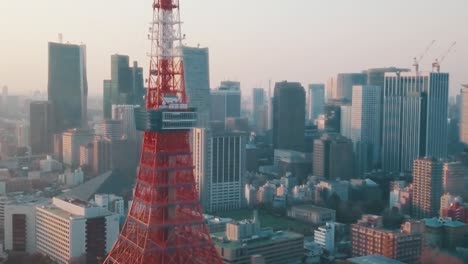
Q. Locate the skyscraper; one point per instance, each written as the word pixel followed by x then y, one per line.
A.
pixel 346 115
pixel 365 126
pixel 42 124
pixel 345 83
pixel 219 160
pixel 414 118
pixel 427 187
pixel 464 115
pixel 125 86
pixel 288 116
pixel 260 110
pixel 315 100
pixel 197 81
pixel 125 113
pixel 333 157
pixel 68 85
pixel 226 101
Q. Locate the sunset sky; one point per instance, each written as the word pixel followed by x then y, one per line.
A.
pixel 250 40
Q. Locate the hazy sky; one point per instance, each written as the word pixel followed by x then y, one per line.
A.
pixel 250 40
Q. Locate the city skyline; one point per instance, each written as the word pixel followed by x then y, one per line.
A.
pixel 316 36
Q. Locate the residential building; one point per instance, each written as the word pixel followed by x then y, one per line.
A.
pixel 219 168
pixel 369 238
pixel 401 197
pixel 42 124
pixel 197 81
pixel 457 211
pixel 312 214
pixel 365 127
pixel 68 85
pixel 333 157
pixel 325 236
pixel 454 178
pixel 288 116
pixel 445 233
pixel 226 101
pixel 72 140
pixel 315 100
pixel 427 187
pixel 69 228
pixel 415 107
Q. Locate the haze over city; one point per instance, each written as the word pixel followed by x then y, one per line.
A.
pixel 251 41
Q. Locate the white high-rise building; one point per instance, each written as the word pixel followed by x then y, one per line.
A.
pixel 125 113
pixel 68 229
pixel 325 236
pixel 219 169
pixel 365 126
pixel 415 107
pixel 464 115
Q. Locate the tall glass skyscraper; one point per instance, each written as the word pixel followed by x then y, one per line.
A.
pixel 414 118
pixel 315 101
pixel 197 81
pixel 226 101
pixel 464 115
pixel 68 85
pixel 345 83
pixel 260 110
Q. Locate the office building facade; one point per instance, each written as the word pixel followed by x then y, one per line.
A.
pixel 315 101
pixel 415 125
pixel 260 110
pixel 68 85
pixel 226 101
pixel 333 157
pixel 72 140
pixel 197 81
pixel 42 124
pixel 288 116
pixel 345 83
pixel 464 114
pixel 365 127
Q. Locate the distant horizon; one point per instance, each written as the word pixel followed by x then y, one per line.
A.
pixel 248 45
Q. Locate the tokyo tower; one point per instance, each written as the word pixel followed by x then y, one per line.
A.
pixel 165 222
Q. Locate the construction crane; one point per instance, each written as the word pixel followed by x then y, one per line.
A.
pixel 436 64
pixel 418 60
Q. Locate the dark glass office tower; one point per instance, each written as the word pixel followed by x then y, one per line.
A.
pixel 68 85
pixel 289 116
pixel 126 86
pixel 42 124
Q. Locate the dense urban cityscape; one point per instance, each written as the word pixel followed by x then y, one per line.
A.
pixel 369 166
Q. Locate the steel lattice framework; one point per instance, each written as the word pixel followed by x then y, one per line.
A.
pixel 165 222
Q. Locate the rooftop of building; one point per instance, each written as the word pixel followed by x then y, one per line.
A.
pixel 28 200
pixel 60 212
pixel 442 222
pixel 313 208
pixel 373 259
pixel 268 237
pixel 87 190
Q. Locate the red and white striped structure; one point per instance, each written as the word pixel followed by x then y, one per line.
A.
pixel 165 222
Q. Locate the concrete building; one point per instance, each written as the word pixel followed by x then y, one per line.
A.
pixel 50 165
pixel 217 224
pixel 219 169
pixel 401 197
pixel 325 236
pixel 345 120
pixel 125 113
pixel 315 100
pixel 456 211
pixel 464 114
pixel 42 124
pixel 110 202
pixel 126 86
pixel 333 157
pixel 312 214
pixel 71 178
pixel 444 233
pixel 20 223
pixel 290 161
pixel 245 239
pixel 289 116
pixel 405 245
pixel 427 187
pixel 226 101
pixel 260 110
pixel 86 154
pixel 101 156
pixel 365 127
pixel 22 135
pixel 68 229
pixel 415 112
pixel 197 81
pixel 72 140
pixel 454 177
pixel 68 85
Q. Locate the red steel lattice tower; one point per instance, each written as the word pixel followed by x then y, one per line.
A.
pixel 165 222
